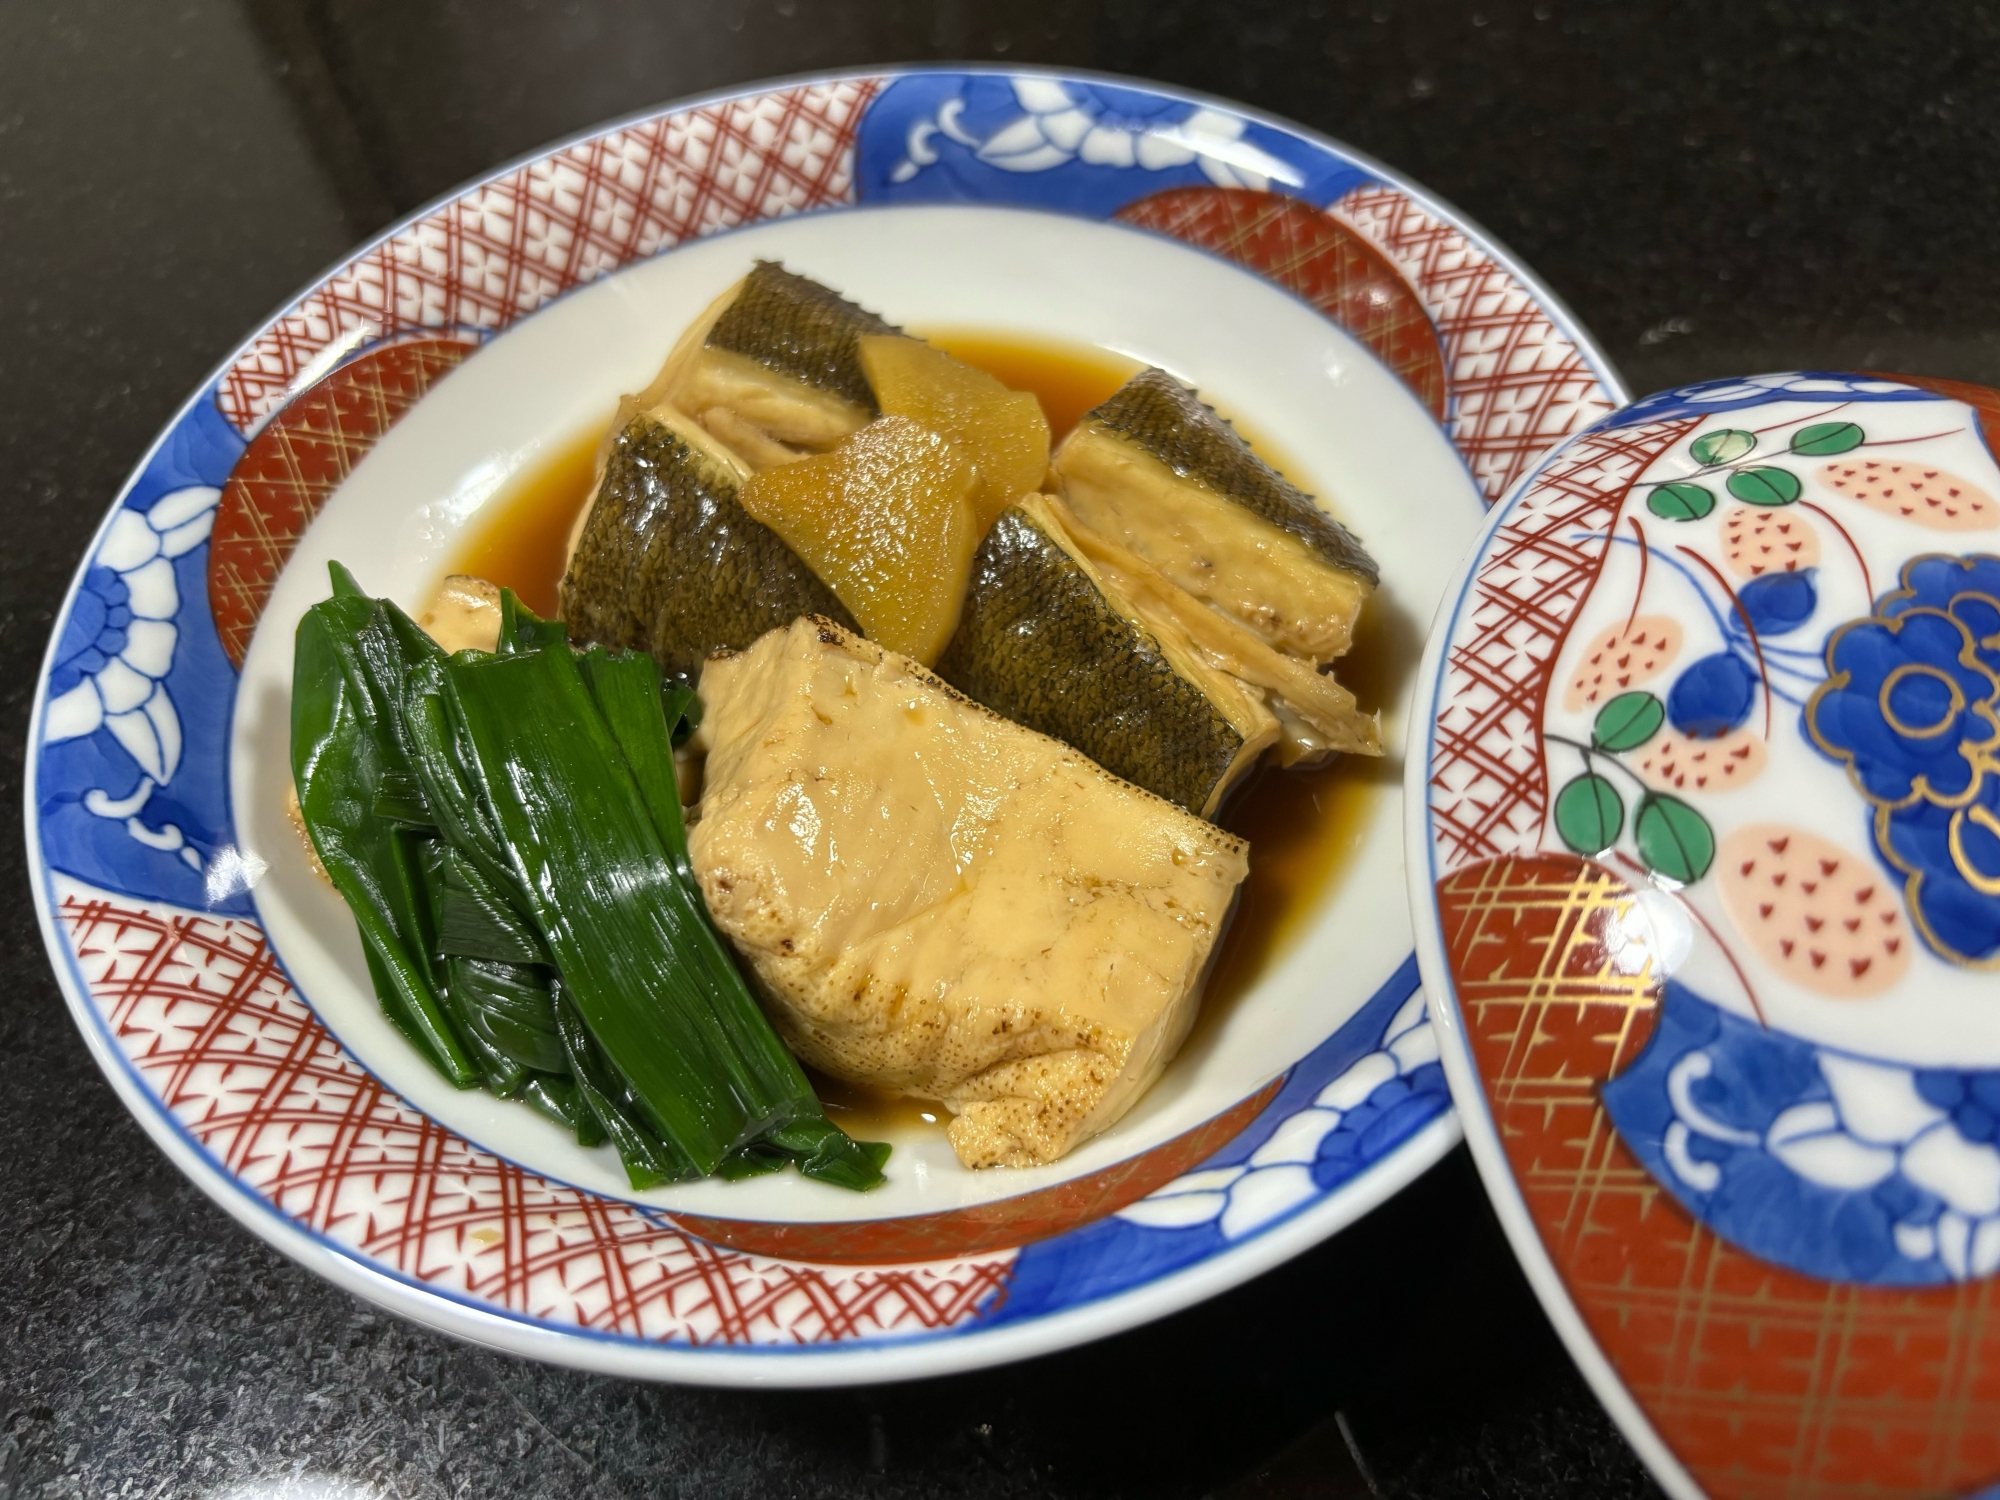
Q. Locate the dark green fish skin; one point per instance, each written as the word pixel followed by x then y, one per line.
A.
pixel 1039 644
pixel 801 329
pixel 1160 416
pixel 670 563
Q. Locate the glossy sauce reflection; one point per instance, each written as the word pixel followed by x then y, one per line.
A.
pixel 1304 827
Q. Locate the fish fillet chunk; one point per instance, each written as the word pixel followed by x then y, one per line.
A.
pixel 937 901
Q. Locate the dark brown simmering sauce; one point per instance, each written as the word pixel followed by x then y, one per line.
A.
pixel 520 541
pixel 1304 827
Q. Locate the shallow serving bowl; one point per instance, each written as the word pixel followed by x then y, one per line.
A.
pixel 376 419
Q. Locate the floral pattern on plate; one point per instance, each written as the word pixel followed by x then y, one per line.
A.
pixel 1713 910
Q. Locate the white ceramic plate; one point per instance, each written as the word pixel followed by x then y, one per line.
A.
pixel 222 987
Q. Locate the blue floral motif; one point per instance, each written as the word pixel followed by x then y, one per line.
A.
pixel 1712 696
pixel 1971 1099
pixel 1842 1167
pixel 1357 1097
pixel 1713 397
pixel 1779 602
pixel 1087 148
pixel 1965 588
pixel 136 718
pixel 1911 706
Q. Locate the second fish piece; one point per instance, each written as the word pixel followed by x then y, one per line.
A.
pixel 1046 639
pixel 773 367
pixel 1156 470
pixel 666 560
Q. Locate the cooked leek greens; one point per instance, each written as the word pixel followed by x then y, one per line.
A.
pixel 506 828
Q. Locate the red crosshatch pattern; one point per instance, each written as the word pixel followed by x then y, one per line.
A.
pixel 298 459
pixel 1766 1384
pixel 1489 790
pixel 510 245
pixel 1517 384
pixel 1318 259
pixel 1019 1220
pixel 203 1011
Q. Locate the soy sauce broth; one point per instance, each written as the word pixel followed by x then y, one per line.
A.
pixel 520 541
pixel 1305 827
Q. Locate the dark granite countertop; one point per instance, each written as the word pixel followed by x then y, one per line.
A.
pixel 1713 190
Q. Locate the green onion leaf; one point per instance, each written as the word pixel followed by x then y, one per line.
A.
pixel 441 759
pixel 557 1097
pixel 343 743
pixel 401 800
pixel 501 1075
pixel 627 693
pixel 510 1007
pixel 752 1161
pixel 506 827
pixel 477 920
pixel 521 629
pixel 649 1160
pixel 683 712
pixel 603 894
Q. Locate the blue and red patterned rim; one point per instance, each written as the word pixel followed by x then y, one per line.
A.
pixel 1710 1135
pixel 190 1013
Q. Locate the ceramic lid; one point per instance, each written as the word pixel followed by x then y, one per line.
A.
pixel 1704 853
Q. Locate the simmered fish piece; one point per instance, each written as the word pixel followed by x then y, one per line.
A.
pixel 1315 714
pixel 668 561
pixel 1155 469
pixel 934 900
pixel 773 367
pixel 1044 639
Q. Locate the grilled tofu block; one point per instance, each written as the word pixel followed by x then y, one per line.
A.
pixel 1156 470
pixel 937 901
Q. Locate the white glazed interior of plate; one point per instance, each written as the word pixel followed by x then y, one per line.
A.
pixel 1350 430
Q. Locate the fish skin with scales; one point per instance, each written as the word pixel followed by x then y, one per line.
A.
pixel 669 562
pixel 793 325
pixel 1038 643
pixel 1158 415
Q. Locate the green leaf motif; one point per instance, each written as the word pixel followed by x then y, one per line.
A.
pixel 1628 721
pixel 1589 814
pixel 1723 447
pixel 1765 486
pixel 1674 840
pixel 1680 502
pixel 1824 439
